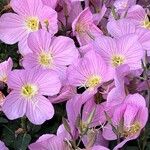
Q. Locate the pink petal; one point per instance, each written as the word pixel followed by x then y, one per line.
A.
pixel 40 40
pixel 16 79
pixel 2 146
pixel 64 51
pixel 118 28
pixel 50 15
pixel 14 106
pixel 12 28
pixel 136 99
pixel 26 7
pixel 39 109
pixel 51 3
pixel 108 134
pixel 49 82
pixel 132 50
pixel 136 13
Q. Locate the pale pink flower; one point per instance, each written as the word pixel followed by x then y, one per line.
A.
pixel 50 53
pixel 116 52
pixel 130 117
pixel 84 28
pixel 26 97
pixel 137 14
pixel 51 141
pixel 118 28
pixel 89 71
pixel 29 16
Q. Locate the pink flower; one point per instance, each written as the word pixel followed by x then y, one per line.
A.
pixel 5 68
pixel 129 119
pixel 49 53
pixel 29 17
pixel 26 97
pixel 2 146
pixel 138 15
pixel 51 141
pixel 84 28
pixel 116 52
pixel 118 28
pixel 89 71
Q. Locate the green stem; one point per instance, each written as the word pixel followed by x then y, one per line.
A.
pixel 24 124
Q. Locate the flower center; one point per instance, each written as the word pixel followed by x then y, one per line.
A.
pixel 32 24
pixel 45 59
pixel 29 90
pixel 132 130
pixel 80 28
pixel 146 24
pixel 93 81
pixel 117 60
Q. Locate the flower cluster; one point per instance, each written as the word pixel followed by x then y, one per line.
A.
pixel 91 56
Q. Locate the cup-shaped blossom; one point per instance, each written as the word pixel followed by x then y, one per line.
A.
pixel 129 119
pixel 89 71
pixel 29 16
pixel 27 96
pixel 5 68
pixel 116 52
pixel 138 15
pixel 49 53
pixel 84 28
pixel 118 28
pixel 51 141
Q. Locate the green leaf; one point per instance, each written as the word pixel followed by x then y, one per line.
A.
pixel 22 141
pixel 3 120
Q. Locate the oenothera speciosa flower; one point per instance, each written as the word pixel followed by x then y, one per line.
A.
pixel 138 16
pixel 128 119
pixel 89 71
pixel 84 28
pixel 26 97
pixel 52 142
pixel 49 53
pixel 121 27
pixel 116 52
pixel 29 16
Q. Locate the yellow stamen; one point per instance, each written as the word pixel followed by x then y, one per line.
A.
pixel 146 24
pixel 136 127
pixel 117 60
pixel 80 28
pixel 93 81
pixel 32 24
pixel 29 90
pixel 45 59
